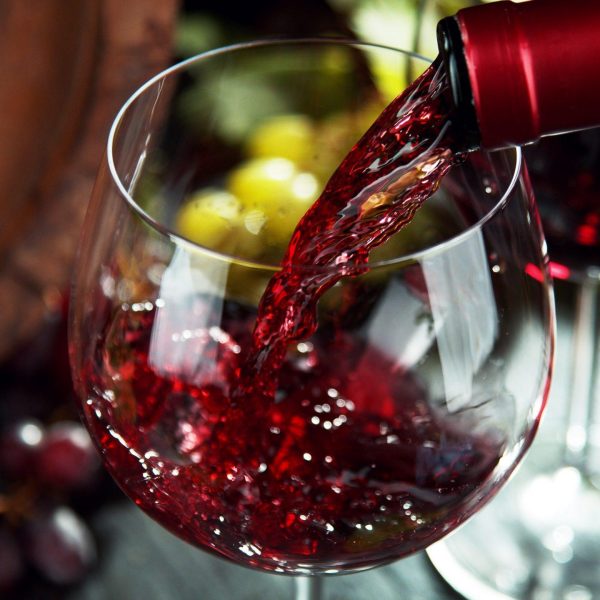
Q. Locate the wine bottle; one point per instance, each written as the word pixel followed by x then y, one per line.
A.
pixel 521 71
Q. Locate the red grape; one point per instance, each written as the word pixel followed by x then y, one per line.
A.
pixel 60 546
pixel 67 458
pixel 18 447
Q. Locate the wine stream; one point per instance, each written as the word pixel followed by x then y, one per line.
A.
pixel 397 164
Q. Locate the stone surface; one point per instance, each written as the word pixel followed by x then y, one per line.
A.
pixel 142 561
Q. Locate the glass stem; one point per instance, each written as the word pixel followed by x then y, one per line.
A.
pixel 584 374
pixel 308 588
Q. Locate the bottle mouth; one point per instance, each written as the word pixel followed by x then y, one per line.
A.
pixel 163 229
pixel 452 52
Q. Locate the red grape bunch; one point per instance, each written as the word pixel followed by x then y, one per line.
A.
pixel 43 470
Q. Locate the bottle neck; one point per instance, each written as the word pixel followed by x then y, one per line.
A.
pixel 452 52
pixel 521 71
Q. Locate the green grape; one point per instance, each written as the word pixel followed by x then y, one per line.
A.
pixel 277 188
pixel 247 285
pixel 335 138
pixel 250 243
pixel 283 220
pixel 285 136
pixel 336 135
pixel 216 219
pixel 260 182
pixel 209 218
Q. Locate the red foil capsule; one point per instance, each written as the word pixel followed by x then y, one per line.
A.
pixel 533 68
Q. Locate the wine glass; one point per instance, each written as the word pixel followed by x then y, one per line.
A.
pixel 424 382
pixel 547 543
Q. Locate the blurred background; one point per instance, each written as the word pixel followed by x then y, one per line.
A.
pixel 66 531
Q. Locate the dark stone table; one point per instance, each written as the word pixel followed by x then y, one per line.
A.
pixel 142 561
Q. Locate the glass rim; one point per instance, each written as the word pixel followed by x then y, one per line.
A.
pixel 182 241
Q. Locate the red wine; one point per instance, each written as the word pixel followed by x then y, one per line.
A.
pixel 352 465
pixel 564 174
pixel 279 443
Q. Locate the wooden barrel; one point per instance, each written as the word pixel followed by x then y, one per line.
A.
pixel 65 68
